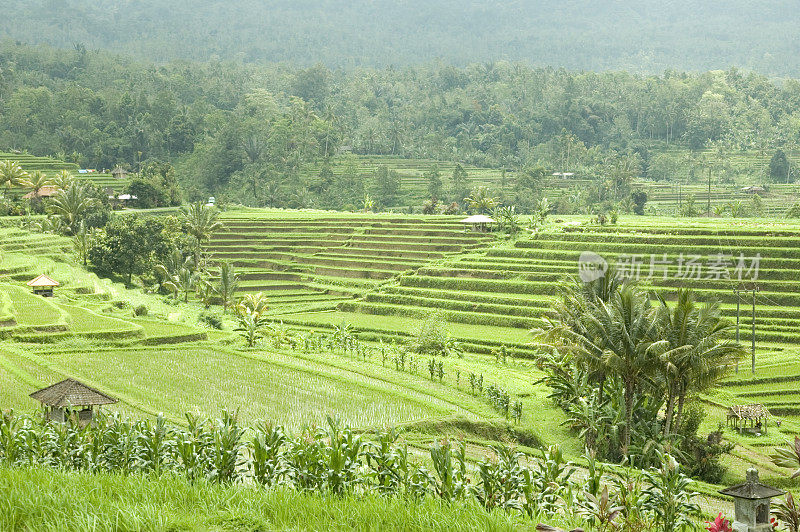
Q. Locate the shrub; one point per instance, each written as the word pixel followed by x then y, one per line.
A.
pixel 432 338
pixel 210 319
pixel 140 310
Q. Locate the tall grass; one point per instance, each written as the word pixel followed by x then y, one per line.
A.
pixel 47 500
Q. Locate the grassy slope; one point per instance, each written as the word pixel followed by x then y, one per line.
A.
pixel 174 379
pixel 46 500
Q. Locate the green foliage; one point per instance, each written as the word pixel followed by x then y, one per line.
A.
pixel 480 201
pixel 788 511
pixel 251 326
pixel 639 198
pixel 779 167
pixel 129 246
pixel 72 205
pixel 228 283
pixel 433 338
pixel 669 496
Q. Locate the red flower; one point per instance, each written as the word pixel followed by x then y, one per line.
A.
pixel 720 524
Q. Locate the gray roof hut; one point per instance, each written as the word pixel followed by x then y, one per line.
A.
pixel 70 396
pixel 478 221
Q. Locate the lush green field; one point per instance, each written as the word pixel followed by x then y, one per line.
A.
pixel 491 292
pixel 50 166
pixel 47 500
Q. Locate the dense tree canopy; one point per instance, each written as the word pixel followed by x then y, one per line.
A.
pixel 641 35
pixel 252 133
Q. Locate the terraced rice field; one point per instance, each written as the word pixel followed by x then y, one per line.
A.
pixel 384 274
pixel 85 306
pixel 315 261
pixel 50 166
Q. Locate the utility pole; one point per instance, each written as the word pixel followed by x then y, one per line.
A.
pixel 708 210
pixel 738 292
pixel 738 300
pixel 753 345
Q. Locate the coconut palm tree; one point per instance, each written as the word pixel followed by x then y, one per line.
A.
pixel 11 174
pixel 479 201
pixel 253 304
pixel 35 182
pixel 694 354
pixel 81 242
pixel 627 328
pixel 63 179
pixel 228 283
pixel 200 222
pixel 613 336
pixel 71 204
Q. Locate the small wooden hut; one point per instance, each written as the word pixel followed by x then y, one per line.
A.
pixel 71 398
pixel 44 192
pixel 119 173
pixel 479 222
pixel 43 285
pixel 756 415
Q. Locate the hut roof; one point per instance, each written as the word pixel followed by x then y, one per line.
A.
pixel 752 488
pixel 477 219
pixel 42 281
pixel 71 393
pixel 756 411
pixel 44 192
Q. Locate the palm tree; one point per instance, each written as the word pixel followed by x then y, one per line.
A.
pixel 628 327
pixel 228 283
pixel 200 222
pixel 479 201
pixel 81 242
pixel 71 204
pixel 611 336
pixel 694 353
pixel 11 174
pixel 250 327
pixel 63 179
pixel 35 182
pixel 253 304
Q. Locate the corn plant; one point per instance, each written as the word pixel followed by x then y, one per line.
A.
pixel 449 464
pixel 305 462
pixel 156 446
pixel 226 450
pixel 269 444
pixel 388 463
pixel 669 497
pixel 192 447
pixel 516 411
pixel 343 453
pixel 500 480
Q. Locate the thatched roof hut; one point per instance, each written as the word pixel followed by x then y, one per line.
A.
pixel 754 414
pixel 69 396
pixel 43 285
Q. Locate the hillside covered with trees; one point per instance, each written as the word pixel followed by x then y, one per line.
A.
pixel 645 36
pixel 229 127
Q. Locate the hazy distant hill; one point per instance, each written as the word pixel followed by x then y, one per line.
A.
pixel 649 35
